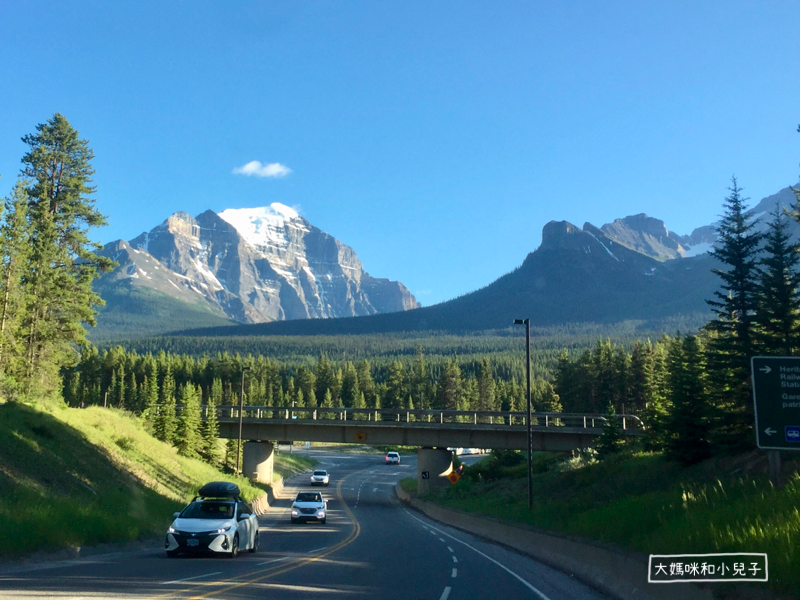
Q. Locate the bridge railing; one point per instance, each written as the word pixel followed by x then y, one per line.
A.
pixel 421 416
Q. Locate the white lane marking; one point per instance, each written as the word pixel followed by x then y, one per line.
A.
pixel 442 540
pixel 455 559
pixel 374 489
pixel 451 550
pixel 455 573
pixel 272 561
pixel 445 594
pixel 317 550
pixel 190 578
pixel 487 557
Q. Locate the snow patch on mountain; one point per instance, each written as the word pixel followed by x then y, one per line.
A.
pixel 698 249
pixel 264 226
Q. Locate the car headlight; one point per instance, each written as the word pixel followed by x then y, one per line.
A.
pixel 224 529
pixel 294 512
pixel 321 513
pixel 171 529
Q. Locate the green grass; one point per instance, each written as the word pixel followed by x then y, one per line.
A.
pixel 76 477
pixel 645 503
pixel 409 484
pixel 288 464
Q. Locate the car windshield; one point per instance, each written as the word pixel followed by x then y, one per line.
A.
pixel 308 497
pixel 208 510
pixel 320 473
pixel 393 454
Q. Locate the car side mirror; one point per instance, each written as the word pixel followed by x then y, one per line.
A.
pixel 244 516
pixel 175 515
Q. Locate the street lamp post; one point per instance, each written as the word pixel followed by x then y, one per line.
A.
pixel 527 323
pixel 241 404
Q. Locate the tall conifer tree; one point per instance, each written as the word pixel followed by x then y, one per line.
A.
pixel 732 343
pixel 63 262
pixel 778 316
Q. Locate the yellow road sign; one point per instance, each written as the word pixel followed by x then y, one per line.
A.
pixel 454 477
pixel 361 437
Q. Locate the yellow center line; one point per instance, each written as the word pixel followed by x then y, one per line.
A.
pixel 263 574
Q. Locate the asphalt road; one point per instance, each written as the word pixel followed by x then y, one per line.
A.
pixel 372 547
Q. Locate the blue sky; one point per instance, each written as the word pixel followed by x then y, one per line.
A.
pixel 435 138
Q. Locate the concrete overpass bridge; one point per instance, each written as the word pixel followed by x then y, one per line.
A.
pixel 433 431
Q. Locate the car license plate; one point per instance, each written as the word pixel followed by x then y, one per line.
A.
pixel 192 542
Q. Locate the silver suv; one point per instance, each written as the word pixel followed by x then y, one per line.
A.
pixel 392 458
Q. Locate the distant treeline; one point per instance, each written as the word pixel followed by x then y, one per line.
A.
pixel 151 385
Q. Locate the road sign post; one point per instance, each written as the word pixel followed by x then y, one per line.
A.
pixel 776 398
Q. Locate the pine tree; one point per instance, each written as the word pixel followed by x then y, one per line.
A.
pixel 166 425
pixel 689 421
pixel 189 433
pixel 119 390
pixel 210 430
pixel 610 441
pixel 350 391
pixel 395 386
pixel 307 381
pixel 327 402
pixel 778 316
pixel 324 377
pixel 367 384
pixel 62 261
pixel 486 388
pixel 14 253
pixel 450 386
pixel 732 330
pixel 421 381
pixel 150 413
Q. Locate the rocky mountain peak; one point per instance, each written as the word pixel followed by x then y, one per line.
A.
pixel 645 234
pixel 556 234
pixel 257 265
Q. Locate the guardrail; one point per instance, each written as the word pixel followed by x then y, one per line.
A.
pixel 411 417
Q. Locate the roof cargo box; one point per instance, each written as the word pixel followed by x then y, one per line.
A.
pixel 219 489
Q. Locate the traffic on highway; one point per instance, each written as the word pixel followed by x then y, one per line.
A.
pixel 366 544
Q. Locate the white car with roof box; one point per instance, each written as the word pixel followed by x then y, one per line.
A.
pixel 217 520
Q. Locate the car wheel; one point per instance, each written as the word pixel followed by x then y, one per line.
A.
pixel 294 521
pixel 234 547
pixel 172 553
pixel 325 520
pixel 255 544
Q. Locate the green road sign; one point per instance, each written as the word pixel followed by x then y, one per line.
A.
pixel 776 395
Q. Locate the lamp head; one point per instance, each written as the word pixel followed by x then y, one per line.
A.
pixel 520 321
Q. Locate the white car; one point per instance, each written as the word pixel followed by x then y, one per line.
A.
pixel 309 506
pixel 392 458
pixel 217 520
pixel 320 478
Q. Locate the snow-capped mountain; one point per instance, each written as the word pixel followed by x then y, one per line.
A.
pixel 255 265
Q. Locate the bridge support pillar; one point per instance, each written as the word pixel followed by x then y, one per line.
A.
pixel 433 467
pixel 257 461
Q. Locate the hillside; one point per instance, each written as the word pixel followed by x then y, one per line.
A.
pixel 116 483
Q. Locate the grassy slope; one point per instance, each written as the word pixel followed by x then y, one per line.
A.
pixel 646 503
pixel 72 477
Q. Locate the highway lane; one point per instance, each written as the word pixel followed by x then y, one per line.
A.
pixel 371 547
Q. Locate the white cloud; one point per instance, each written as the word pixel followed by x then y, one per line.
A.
pixel 255 168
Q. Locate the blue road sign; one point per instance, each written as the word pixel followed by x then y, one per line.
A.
pixel 793 434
